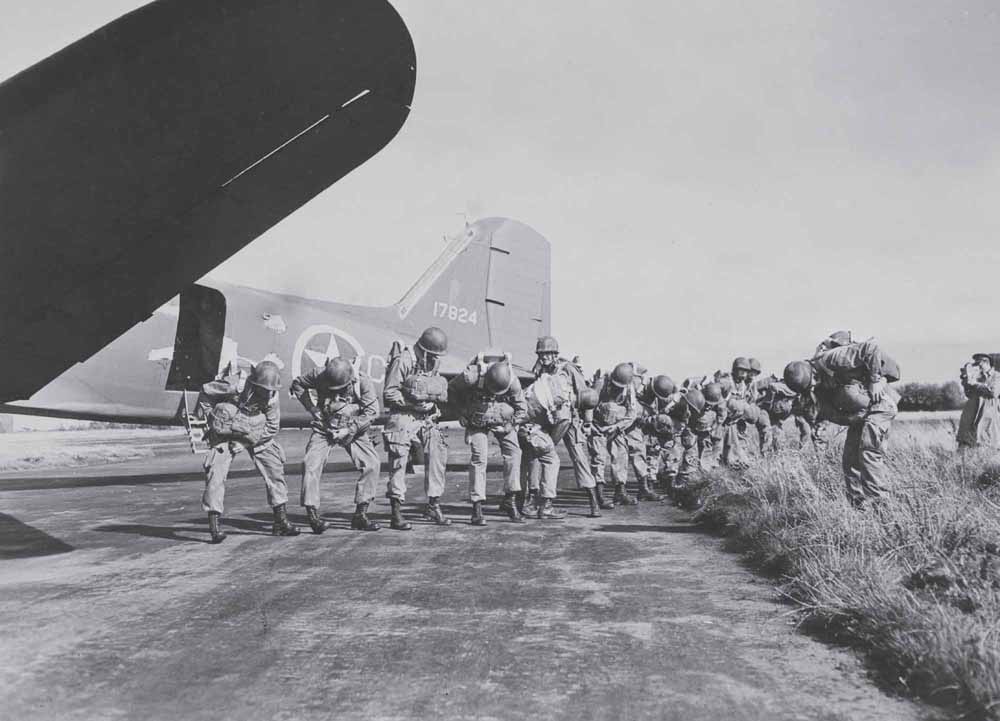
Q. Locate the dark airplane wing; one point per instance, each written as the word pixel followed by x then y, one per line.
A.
pixel 137 159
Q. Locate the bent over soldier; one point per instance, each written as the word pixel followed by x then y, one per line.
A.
pixel 850 385
pixel 342 412
pixel 413 388
pixel 489 400
pixel 244 419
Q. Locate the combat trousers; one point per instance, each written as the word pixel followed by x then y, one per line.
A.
pixel 576 443
pixel 411 431
pixel 625 449
pixel 695 447
pixel 865 469
pixel 597 451
pixel 363 456
pixel 479 442
pixel 269 460
pixel 735 453
pixel 540 468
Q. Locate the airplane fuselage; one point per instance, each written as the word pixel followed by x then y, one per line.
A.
pixel 126 380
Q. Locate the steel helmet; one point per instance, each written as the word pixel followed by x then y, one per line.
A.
pixel 663 387
pixel 433 341
pixel 547 344
pixel 755 367
pixel 498 378
pixel 695 400
pixel 588 399
pixel 338 373
pixel 712 394
pixel 266 375
pixel 741 364
pixel 622 375
pixel 798 376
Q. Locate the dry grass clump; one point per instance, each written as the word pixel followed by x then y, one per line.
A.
pixel 916 585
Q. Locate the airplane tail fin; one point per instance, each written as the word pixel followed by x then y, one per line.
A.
pixel 490 288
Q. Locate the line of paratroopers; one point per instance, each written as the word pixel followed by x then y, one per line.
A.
pixel 628 418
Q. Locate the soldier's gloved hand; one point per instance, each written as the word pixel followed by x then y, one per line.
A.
pixel 425 407
pixel 341 435
pixel 877 390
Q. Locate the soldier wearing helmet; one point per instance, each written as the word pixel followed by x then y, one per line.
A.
pixel 239 419
pixel 617 417
pixel 344 407
pixel 850 386
pixel 597 450
pixel 413 389
pixel 741 411
pixel 563 422
pixel 489 400
pixel 699 416
pixel 658 398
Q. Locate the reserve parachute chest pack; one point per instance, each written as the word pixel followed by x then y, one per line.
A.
pixel 487 414
pixel 549 398
pixel 340 415
pixel 226 421
pixel 608 413
pixel 425 388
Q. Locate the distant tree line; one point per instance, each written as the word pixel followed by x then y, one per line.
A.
pixel 931 396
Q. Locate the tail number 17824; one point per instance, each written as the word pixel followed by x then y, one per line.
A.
pixel 454 313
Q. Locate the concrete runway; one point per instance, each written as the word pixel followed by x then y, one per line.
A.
pixel 115 606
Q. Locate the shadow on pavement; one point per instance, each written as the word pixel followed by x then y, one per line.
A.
pixel 167 532
pixel 19 540
pixel 635 528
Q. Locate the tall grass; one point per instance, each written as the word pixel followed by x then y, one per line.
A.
pixel 915 585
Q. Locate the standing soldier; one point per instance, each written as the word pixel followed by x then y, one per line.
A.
pixel 980 422
pixel 343 411
pixel 244 418
pixel 557 390
pixel 489 400
pixel 413 388
pixel 850 385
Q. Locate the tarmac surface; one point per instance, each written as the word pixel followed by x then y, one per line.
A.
pixel 115 606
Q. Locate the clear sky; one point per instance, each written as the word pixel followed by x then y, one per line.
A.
pixel 716 178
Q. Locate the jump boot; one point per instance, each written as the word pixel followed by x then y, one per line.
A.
pixel 510 503
pixel 396 521
pixel 646 492
pixel 530 505
pixel 622 498
pixel 595 509
pixel 548 512
pixel 477 514
pixel 317 524
pixel 360 520
pixel 281 525
pixel 602 502
pixel 214 519
pixel 434 513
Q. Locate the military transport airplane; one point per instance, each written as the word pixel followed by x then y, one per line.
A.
pixel 137 159
pixel 488 289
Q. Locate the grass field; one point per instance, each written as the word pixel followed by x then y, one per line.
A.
pixel 915 587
